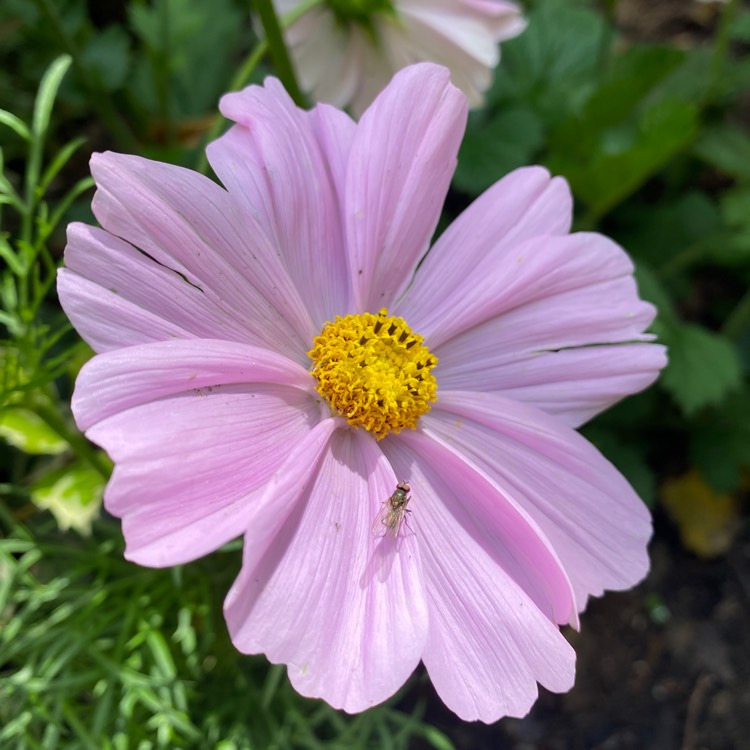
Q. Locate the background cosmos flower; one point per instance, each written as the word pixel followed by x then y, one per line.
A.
pixel 203 302
pixel 346 51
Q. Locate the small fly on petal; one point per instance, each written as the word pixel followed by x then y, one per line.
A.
pixel 392 513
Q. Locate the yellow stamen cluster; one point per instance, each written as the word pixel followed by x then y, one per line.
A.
pixel 373 370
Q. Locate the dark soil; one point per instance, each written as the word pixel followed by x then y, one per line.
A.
pixel 663 667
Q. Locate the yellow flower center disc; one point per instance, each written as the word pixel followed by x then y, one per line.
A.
pixel 374 371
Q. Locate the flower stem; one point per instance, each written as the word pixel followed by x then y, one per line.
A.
pixel 242 78
pixel 278 50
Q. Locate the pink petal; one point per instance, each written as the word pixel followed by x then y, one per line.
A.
pixel 481 246
pixel 187 464
pixel 188 224
pixel 491 517
pixel 318 600
pixel 574 384
pixel 400 166
pixel 596 523
pixel 511 317
pixel 117 296
pixel 119 380
pixel 105 320
pixel 284 166
pixel 489 643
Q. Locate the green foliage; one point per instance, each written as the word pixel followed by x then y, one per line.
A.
pixel 727 149
pixel 27 431
pixel 496 146
pixel 703 367
pixel 151 79
pixel 96 652
pixel 182 73
pixel 718 448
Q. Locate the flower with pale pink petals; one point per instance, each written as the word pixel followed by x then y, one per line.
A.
pixel 346 51
pixel 276 355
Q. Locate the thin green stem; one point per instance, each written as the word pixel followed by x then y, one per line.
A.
pixel 277 49
pixel 238 82
pixel 739 319
pixel 242 78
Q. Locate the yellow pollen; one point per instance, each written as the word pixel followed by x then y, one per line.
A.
pixel 373 370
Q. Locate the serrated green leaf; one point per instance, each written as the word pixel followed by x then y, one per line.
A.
pixel 72 494
pixel 495 146
pixel 659 236
pixel 609 120
pixel 26 431
pixel 625 157
pixel 554 64
pixel 703 368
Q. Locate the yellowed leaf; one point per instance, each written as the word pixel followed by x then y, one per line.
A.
pixel 707 520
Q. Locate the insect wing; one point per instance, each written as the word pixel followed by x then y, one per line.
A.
pixel 384 521
pixel 391 516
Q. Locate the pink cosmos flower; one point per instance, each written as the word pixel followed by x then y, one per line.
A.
pixel 276 355
pixel 346 51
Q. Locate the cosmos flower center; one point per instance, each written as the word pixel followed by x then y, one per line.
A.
pixel 361 12
pixel 374 371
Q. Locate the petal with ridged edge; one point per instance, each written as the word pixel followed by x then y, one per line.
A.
pixel 574 384
pixel 344 609
pixel 119 380
pixel 491 517
pixel 400 167
pixel 189 224
pixel 545 293
pixel 276 166
pixel 126 282
pixel 488 644
pixel 550 295
pixel 525 204
pixel 186 465
pixel 107 321
pixel 593 518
